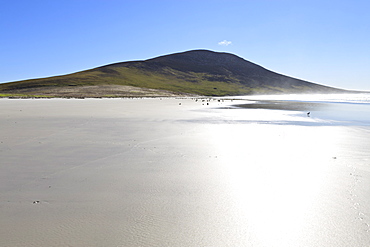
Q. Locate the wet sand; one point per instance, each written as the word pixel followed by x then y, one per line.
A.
pixel 179 172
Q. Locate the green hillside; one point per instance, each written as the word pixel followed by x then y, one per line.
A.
pixel 198 72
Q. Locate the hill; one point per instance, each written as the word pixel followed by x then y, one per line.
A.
pixel 199 72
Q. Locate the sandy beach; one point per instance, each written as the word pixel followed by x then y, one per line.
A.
pixel 180 172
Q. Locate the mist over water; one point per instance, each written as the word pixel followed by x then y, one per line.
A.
pixel 341 109
pixel 360 98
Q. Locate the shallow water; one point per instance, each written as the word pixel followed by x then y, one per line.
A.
pixel 151 172
pixel 340 109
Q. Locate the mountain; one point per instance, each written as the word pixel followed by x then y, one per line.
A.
pixel 199 72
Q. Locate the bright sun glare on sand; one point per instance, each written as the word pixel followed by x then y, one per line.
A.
pixel 275 173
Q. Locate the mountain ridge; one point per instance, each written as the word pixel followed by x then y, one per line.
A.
pixel 197 72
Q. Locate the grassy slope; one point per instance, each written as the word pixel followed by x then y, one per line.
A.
pixel 182 73
pixel 170 80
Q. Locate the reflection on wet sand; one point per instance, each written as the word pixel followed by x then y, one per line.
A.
pixel 285 105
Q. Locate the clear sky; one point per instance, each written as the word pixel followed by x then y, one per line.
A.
pixel 322 41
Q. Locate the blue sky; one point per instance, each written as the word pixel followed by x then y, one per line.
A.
pixel 327 42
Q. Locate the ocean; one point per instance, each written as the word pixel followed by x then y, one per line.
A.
pixel 334 109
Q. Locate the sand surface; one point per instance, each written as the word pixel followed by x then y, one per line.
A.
pixel 179 172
